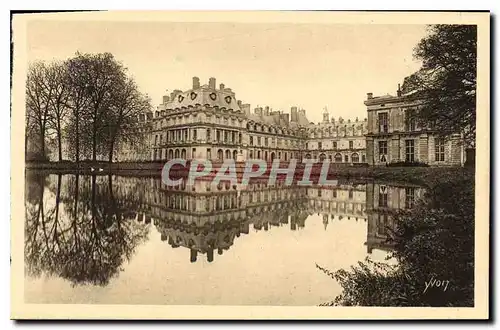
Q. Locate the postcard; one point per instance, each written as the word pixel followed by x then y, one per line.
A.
pixel 250 165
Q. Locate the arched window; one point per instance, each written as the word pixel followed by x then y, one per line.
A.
pixel 183 154
pixel 338 158
pixel 220 154
pixel 355 158
pixel 228 154
pixel 177 153
pixel 235 154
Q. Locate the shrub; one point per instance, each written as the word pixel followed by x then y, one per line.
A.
pixel 435 240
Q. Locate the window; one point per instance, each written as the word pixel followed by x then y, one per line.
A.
pixel 266 142
pixel 218 135
pixel 209 138
pixel 319 145
pixel 383 122
pixel 239 138
pixel 209 153
pixel 351 144
pixel 382 147
pixel 334 193
pixel 410 150
pixel 319 192
pixel 382 225
pixel 334 145
pixel 355 158
pixel 251 154
pixel 251 140
pixel 225 136
pixel 363 158
pixel 439 149
pixel 338 158
pixel 193 154
pixel 346 158
pixel 258 141
pixel 161 139
pixel 410 197
pixel 410 121
pixel 382 196
pixel 156 139
pixel 195 133
pixel 351 194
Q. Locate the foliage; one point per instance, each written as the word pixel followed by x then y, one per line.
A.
pixel 435 240
pixel 446 83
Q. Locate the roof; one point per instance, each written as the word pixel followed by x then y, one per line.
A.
pixel 204 96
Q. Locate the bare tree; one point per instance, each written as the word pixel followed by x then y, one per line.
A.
pixel 127 105
pixel 103 73
pixel 78 101
pixel 58 102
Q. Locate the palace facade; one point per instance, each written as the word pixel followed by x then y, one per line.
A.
pixel 395 136
pixel 209 122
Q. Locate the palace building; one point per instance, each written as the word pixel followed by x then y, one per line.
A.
pixel 209 122
pixel 395 136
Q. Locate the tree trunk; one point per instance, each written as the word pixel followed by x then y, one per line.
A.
pixel 111 148
pixel 42 143
pixel 77 138
pixel 59 143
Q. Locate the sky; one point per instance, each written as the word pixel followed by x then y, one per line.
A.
pixel 280 65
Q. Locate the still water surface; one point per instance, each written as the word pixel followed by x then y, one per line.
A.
pixel 132 240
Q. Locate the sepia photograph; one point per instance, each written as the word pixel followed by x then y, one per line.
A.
pixel 250 165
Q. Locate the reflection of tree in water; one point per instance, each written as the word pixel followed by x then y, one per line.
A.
pixel 84 233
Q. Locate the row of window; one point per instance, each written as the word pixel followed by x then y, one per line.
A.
pixel 337 158
pixel 278 142
pixel 334 145
pixel 334 193
pixel 409 122
pixel 182 135
pixel 409 197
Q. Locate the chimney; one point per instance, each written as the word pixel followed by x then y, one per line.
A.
pixel 196 83
pixel 399 90
pixel 246 108
pixel 369 96
pixel 211 83
pixel 221 87
pixel 293 114
pixel 165 99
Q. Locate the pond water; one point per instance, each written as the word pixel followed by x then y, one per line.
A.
pixel 132 240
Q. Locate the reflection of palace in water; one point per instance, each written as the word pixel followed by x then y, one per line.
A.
pixel 206 217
